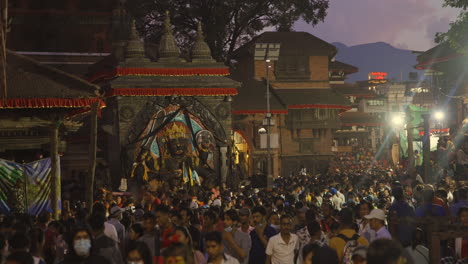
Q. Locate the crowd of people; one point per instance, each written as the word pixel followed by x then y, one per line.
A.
pixel 353 214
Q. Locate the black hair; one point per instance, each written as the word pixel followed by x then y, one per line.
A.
pixel 214 236
pixel 19 241
pixel 137 228
pixel 308 249
pixel 285 216
pixel 163 209
pixel 142 249
pixel 186 232
pixel 71 237
pixel 99 208
pixel 313 227
pixel 325 255
pixel 259 209
pixel 211 214
pixel 233 215
pixel 384 251
pixel 20 258
pixel 461 210
pixel 148 216
pixel 346 217
pixel 96 221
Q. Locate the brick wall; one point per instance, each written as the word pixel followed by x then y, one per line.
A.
pixel 318 68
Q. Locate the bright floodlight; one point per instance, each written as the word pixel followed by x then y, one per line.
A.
pixel 439 115
pixel 262 130
pixel 397 120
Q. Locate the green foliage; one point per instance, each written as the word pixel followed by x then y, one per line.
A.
pixel 226 24
pixel 457 35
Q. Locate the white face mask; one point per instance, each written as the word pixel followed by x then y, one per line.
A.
pixel 275 226
pixel 82 247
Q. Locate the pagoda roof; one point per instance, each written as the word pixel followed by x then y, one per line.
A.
pixel 142 77
pixel 435 55
pixel 252 99
pixel 33 85
pixel 292 43
pixel 347 68
pixel 360 119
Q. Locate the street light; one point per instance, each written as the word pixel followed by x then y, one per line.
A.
pixel 439 115
pixel 268 52
pixel 262 130
pixel 397 120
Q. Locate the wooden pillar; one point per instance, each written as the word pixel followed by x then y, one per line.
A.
pixel 55 194
pixel 92 157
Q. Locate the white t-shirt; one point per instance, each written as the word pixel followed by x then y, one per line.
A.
pixel 280 252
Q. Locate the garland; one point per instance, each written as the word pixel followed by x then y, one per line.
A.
pixel 50 103
pixel 308 106
pixel 171 91
pixel 250 112
pixel 173 71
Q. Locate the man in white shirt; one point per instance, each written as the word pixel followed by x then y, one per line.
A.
pixel 377 223
pixel 281 248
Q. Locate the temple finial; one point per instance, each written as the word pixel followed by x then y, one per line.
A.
pixel 201 51
pixel 168 49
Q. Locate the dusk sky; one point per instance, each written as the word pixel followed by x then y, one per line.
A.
pixel 408 24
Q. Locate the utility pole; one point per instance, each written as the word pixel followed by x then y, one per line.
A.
pixel 268 52
pixel 409 132
pixel 268 119
pixel 426 148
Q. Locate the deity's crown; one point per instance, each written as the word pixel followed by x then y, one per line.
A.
pixel 174 131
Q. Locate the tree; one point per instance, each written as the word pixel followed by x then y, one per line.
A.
pixel 226 24
pixel 457 35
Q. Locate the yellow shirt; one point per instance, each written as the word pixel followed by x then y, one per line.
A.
pixel 338 244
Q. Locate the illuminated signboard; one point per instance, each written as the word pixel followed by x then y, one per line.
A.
pixel 377 77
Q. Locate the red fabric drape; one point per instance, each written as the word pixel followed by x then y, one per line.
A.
pixel 250 112
pixel 173 71
pixel 50 102
pixel 307 106
pixel 171 91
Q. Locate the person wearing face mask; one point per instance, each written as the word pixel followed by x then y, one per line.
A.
pixel 273 220
pixel 81 249
pixel 236 243
pixel 138 253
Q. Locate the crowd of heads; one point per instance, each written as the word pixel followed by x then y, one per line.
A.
pixel 199 226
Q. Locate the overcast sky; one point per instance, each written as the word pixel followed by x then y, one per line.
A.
pixel 408 24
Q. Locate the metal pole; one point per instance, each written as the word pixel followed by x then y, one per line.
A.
pixel 409 130
pixel 426 148
pixel 268 117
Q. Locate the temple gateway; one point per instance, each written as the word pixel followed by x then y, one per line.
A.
pixel 167 119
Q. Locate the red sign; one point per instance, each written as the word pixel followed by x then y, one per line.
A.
pixel 378 75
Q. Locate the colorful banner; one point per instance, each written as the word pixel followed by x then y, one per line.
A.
pixel 25 186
